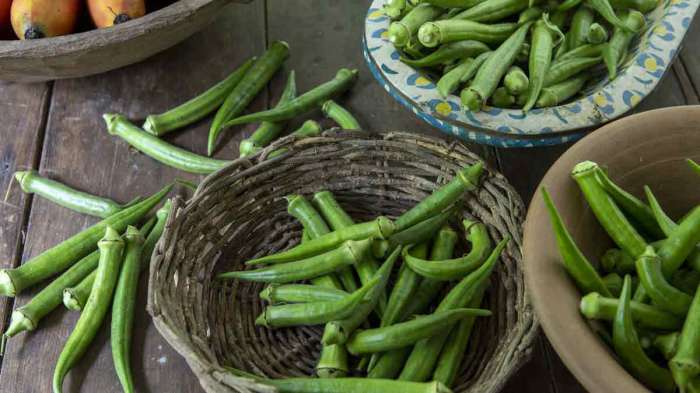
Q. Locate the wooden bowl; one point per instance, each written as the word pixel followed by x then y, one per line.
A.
pixel 101 50
pixel 648 148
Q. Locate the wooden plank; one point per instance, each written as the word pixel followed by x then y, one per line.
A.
pixel 691 96
pixel 690 54
pixel 564 381
pixel 79 151
pixel 535 376
pixel 23 110
pixel 325 37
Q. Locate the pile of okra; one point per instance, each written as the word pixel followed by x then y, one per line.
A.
pixel 514 53
pixel 646 292
pixel 409 336
pixel 100 266
pixel 229 99
pixel 90 272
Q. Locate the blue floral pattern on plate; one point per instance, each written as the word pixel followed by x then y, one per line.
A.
pixel 604 100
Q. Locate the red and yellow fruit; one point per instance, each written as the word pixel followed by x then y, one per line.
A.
pixel 44 18
pixel 107 13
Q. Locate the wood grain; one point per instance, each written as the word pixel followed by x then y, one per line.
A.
pixel 23 111
pixel 690 54
pixel 324 36
pixel 327 35
pixel 80 152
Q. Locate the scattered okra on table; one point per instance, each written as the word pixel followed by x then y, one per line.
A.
pixel 338 276
pixel 100 266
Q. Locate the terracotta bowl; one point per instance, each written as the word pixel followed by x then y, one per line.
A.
pixel 648 148
pixel 100 50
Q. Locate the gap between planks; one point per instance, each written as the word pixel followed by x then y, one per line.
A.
pixel 690 91
pixel 37 155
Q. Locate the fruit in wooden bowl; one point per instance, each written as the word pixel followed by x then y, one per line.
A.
pixel 99 50
pixel 645 149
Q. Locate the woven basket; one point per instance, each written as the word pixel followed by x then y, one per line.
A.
pixel 239 213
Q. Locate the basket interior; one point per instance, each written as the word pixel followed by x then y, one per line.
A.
pixel 241 213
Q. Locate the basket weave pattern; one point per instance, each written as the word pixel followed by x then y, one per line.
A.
pixel 240 213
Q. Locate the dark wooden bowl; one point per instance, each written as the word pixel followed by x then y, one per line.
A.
pixel 100 50
pixel 644 149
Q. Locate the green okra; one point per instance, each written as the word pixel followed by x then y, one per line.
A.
pixel 406 333
pixel 64 255
pixel 451 269
pixel 629 350
pixel 250 85
pixel 442 32
pixel 267 131
pixel 596 306
pixel 316 266
pixel 316 313
pixel 198 107
pixel 576 264
pixel 33 183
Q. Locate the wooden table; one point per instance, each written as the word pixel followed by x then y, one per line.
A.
pixel 57 128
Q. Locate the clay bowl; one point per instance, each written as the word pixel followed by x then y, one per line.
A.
pixel 648 148
pixel 99 50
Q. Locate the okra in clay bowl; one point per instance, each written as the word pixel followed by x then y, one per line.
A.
pixel 645 149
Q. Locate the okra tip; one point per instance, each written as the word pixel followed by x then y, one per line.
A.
pixel 429 34
pixel 471 99
pixel 386 227
pixel 330 372
pixel 22 177
pixel 150 125
pixel 439 387
pixel 261 320
pixel 584 167
pixel 247 147
pixel 470 175
pixel 164 210
pixel 649 252
pixel 392 12
pixel 332 334
pixel 111 237
pixel 292 201
pixel 359 249
pixel 71 301
pixel 110 119
pixel 133 234
pixel 398 34
pixel 347 72
pixel 280 42
pixel 7 287
pixel 467 224
pixel 327 105
pixel 19 323
pixel 590 305
pixel 266 293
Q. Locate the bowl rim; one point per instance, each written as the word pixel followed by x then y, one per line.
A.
pixel 547 126
pixel 104 37
pixel 580 367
